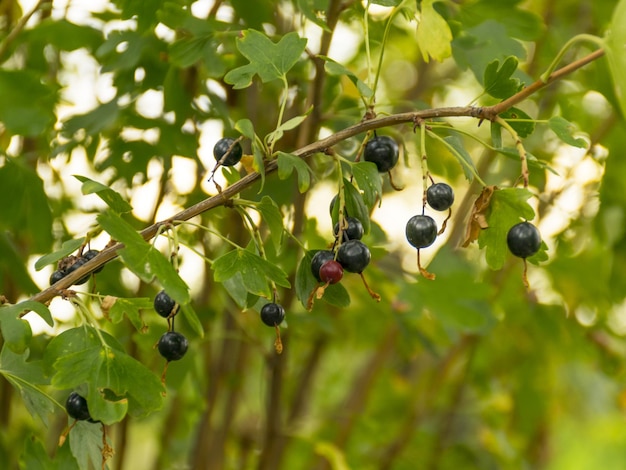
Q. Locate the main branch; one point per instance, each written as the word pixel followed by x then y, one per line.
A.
pixel 482 113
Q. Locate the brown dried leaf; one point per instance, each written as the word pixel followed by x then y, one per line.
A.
pixel 478 219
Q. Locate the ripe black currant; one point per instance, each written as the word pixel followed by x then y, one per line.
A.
pixel 272 314
pixel 318 260
pixel 164 304
pixel 222 146
pixel 90 254
pixel 57 276
pixel 382 151
pixel 77 264
pixel 173 346
pixel 440 196
pixel 331 272
pixel 353 231
pixel 76 407
pixel 421 231
pixel 523 240
pixel 354 256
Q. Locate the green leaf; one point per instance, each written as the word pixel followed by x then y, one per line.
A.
pixel 103 117
pixel 85 442
pixel 35 457
pixel 523 128
pixel 142 258
pixel 191 316
pixel 271 215
pixel 246 128
pixel 496 134
pixel 369 181
pixel 507 208
pixel 336 69
pixel 131 307
pixel 66 36
pixel 615 41
pixel 286 126
pixel 307 7
pixel 563 129
pixel 498 81
pixel 112 198
pixel 28 215
pixel 269 60
pixel 455 145
pixel 26 103
pixel 255 271
pixel 287 163
pixel 476 47
pixel 81 357
pixel 26 376
pixel 28 305
pixel 68 247
pixel 433 33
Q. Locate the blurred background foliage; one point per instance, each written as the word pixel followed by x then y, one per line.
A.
pixel 468 371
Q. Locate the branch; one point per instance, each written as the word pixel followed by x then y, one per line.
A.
pixel 482 113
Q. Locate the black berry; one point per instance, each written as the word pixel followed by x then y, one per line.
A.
pixel 318 260
pixel 421 231
pixel 173 346
pixel 57 276
pixel 272 314
pixel 354 256
pixel 90 254
pixel 523 240
pixel 382 151
pixel 77 264
pixel 331 272
pixel 164 304
pixel 440 196
pixel 354 230
pixel 76 407
pixel 222 146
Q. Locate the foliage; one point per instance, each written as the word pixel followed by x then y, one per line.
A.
pixel 458 355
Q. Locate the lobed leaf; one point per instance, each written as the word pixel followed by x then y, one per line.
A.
pixel 434 36
pixel 498 81
pixel 269 60
pixel 563 129
pixel 255 271
pixel 287 163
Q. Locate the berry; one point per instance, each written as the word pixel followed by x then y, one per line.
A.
pixel 57 276
pixel 523 240
pixel 164 304
pixel 421 231
pixel 76 407
pixel 354 256
pixel 440 196
pixel 77 264
pixel 382 151
pixel 272 314
pixel 354 231
pixel 318 260
pixel 173 346
pixel 90 254
pixel 222 146
pixel 331 272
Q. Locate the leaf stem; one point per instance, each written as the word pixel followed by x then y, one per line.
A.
pixel 568 45
pixel 519 145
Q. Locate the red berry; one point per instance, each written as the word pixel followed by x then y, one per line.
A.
pixel 331 272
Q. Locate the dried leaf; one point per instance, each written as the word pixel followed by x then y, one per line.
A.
pixel 477 220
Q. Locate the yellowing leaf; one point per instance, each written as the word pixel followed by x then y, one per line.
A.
pixel 433 34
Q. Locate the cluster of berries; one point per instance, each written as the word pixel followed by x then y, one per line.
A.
pixel 70 264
